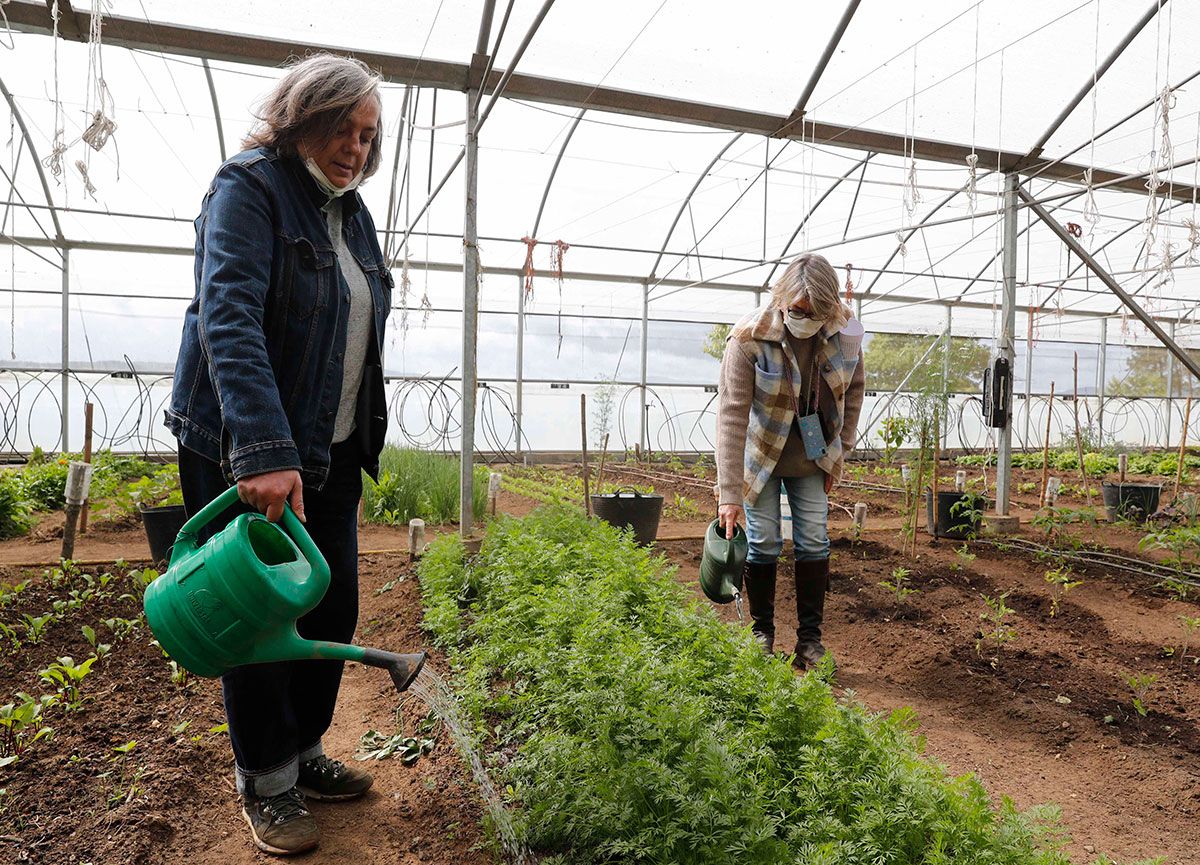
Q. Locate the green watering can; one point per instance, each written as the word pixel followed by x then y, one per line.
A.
pixel 722 563
pixel 235 599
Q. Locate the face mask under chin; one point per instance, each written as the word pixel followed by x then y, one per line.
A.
pixel 322 181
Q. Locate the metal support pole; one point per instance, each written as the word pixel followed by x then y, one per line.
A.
pixel 66 349
pixel 1170 383
pixel 470 318
pixel 520 361
pixel 643 436
pixel 1008 324
pixel 946 349
pixel 1100 375
pixel 1028 360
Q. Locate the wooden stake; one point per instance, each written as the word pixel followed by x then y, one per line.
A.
pixel 1187 418
pixel 1122 466
pixel 587 498
pixel 1079 435
pixel 79 479
pixel 919 494
pixel 87 458
pixel 600 471
pixel 1046 447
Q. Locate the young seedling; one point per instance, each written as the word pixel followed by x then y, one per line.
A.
pixel 21 725
pixel 1060 583
pixel 126 783
pixel 67 676
pixel 898 585
pixel 89 634
pixel 1190 625
pixel 996 629
pixel 179 675
pixel 36 625
pixel 1140 684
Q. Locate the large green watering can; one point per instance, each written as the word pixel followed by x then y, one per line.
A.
pixel 235 599
pixel 722 563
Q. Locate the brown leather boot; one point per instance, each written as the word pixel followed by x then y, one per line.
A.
pixel 812 582
pixel 760 593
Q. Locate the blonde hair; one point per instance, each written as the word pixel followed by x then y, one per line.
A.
pixel 311 101
pixel 811 277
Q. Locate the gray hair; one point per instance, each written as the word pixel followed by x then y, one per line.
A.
pixel 811 277
pixel 311 101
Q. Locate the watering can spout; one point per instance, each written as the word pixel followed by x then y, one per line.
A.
pixel 289 646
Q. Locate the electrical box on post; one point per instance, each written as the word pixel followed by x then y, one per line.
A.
pixel 997 393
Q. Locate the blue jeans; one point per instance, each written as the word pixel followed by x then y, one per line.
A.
pixel 278 712
pixel 810 520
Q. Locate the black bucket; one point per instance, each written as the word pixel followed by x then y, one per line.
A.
pixel 629 509
pixel 957 525
pixel 162 526
pixel 1130 501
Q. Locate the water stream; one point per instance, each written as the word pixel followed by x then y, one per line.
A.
pixel 433 690
pixel 737 602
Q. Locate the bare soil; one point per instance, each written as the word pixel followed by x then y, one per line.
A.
pixel 69 800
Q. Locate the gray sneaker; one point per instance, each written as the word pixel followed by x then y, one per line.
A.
pixel 281 824
pixel 332 780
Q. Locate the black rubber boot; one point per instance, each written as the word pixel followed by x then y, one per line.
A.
pixel 812 582
pixel 760 593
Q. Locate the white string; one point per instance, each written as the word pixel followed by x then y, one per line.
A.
pixel 1091 210
pixel 58 147
pixel 99 102
pixel 973 159
pixel 912 192
pixel 1192 226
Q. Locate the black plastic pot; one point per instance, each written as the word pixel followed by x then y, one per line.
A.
pixel 629 509
pixel 1130 501
pixel 953 525
pixel 162 525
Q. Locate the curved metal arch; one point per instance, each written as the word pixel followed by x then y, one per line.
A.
pixel 537 222
pixel 862 163
pixel 12 106
pixel 688 200
pixel 212 92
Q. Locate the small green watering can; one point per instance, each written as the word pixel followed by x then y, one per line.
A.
pixel 722 563
pixel 235 599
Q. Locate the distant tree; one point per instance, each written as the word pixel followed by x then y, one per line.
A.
pixel 890 357
pixel 714 343
pixel 1146 375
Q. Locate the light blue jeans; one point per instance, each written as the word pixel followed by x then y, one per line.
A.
pixel 810 520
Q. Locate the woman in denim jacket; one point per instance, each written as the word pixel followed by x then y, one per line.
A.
pixel 278 387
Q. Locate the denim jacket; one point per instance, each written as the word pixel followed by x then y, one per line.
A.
pixel 259 373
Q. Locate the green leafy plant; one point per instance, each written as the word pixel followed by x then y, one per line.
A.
pixel 1182 543
pixel 1140 684
pixel 124 779
pixel 22 723
pixel 965 556
pixel 898 585
pixel 121 628
pixel 969 509
pixel 35 626
pixel 373 745
pixel 996 630
pixel 179 675
pixel 1190 625
pixel 1060 583
pixel 15 519
pixel 417 484
pixel 89 634
pixel 893 432
pixel 67 676
pixel 44 484
pixel 9 592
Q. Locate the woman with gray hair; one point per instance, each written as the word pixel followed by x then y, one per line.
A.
pixel 791 391
pixel 279 389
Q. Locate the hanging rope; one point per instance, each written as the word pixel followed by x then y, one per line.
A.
pixel 530 243
pixel 405 291
pixel 89 188
pixel 557 253
pixel 1091 211
pixel 972 179
pixel 100 105
pixel 849 296
pixel 58 147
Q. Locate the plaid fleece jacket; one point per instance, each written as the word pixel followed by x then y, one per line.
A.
pixel 754 412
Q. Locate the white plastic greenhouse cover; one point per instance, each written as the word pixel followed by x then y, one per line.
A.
pixel 698 215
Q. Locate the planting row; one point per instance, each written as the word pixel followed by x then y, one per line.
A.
pixel 629 723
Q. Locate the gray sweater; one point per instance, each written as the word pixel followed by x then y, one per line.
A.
pixel 358 325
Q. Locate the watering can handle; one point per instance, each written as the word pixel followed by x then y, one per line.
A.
pixel 186 540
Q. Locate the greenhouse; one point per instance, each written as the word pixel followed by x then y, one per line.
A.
pixel 577 209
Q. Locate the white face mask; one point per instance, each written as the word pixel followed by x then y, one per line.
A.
pixel 323 181
pixel 801 326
